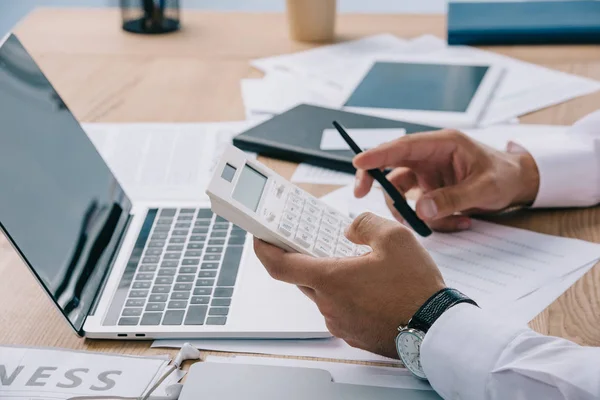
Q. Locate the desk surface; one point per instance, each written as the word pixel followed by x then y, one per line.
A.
pixel 106 75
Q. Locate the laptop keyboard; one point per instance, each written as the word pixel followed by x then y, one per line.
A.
pixel 182 270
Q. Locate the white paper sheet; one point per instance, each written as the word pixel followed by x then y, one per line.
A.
pixel 306 173
pixel 163 161
pixel 367 375
pixel 364 138
pixel 38 373
pixel 490 263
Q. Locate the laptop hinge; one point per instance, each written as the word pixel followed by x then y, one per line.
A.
pixel 113 258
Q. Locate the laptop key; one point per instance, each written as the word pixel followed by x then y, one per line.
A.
pixel 219 311
pixel 168 212
pixel 191 261
pixel 220 219
pixel 164 280
pixel 138 293
pixel 204 213
pixel 212 257
pixel 180 295
pixel 179 232
pixel 198 238
pixel 135 303
pixel 237 240
pixel 162 228
pixel 185 278
pixel 195 246
pixel 144 277
pixel 173 317
pixel 177 304
pixel 157 298
pixel 202 222
pixel 164 221
pixel 169 264
pixel 176 240
pixel 187 211
pixel 196 315
pixel 221 226
pixel 218 234
pixel 210 266
pixel 157 243
pixel 172 256
pixel 156 236
pixel 202 291
pixel 141 285
pixel 216 320
pixel 185 217
pixel 129 321
pixel 200 300
pixel 150 260
pixel 216 242
pixel 207 274
pixel 151 318
pixel 205 282
pixel 221 302
pixel 223 292
pixel 188 270
pixel 131 312
pixel 167 272
pixel 214 249
pixel 193 253
pixel 153 252
pixel 161 289
pixel 199 230
pixel 175 247
pixel 155 307
pixel 230 266
pixel 147 268
pixel 182 287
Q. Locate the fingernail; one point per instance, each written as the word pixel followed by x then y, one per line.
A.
pixel 464 225
pixel 428 208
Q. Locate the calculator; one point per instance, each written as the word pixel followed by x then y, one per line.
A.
pixel 249 194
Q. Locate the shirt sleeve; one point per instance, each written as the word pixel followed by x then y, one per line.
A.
pixel 569 164
pixel 470 354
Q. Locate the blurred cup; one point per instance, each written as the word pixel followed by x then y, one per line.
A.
pixel 311 20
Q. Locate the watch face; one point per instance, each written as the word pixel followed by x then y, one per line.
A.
pixel 408 344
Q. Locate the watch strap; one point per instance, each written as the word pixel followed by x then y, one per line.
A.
pixel 435 306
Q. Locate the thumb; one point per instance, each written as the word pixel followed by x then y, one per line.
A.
pixel 443 202
pixel 368 228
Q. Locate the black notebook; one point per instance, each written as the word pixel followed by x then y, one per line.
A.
pixel 296 134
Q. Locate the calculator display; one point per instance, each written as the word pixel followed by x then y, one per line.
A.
pixel 249 187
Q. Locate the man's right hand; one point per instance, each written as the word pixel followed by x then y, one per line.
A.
pixel 455 175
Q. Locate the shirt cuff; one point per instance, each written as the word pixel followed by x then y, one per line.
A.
pixel 460 350
pixel 568 169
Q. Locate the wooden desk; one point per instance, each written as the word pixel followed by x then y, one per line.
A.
pixel 106 75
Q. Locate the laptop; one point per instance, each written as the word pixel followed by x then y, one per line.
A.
pixel 114 268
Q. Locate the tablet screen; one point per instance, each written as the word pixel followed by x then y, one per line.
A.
pixel 415 86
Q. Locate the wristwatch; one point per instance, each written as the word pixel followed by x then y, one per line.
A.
pixel 408 341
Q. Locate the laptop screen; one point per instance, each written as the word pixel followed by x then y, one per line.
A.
pixel 60 205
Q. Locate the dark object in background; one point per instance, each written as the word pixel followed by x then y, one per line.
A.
pixel 526 22
pixel 150 16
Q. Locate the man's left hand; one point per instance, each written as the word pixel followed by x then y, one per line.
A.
pixel 363 299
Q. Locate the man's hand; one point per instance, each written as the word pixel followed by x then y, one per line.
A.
pixel 454 174
pixel 363 299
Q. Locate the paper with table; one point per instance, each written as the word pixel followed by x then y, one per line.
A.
pixel 49 373
pixel 327 71
pixel 163 161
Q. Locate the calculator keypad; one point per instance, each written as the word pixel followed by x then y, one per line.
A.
pixel 316 227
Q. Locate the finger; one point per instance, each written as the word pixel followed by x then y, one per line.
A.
pixel 453 223
pixel 362 184
pixel 415 147
pixel 295 268
pixel 402 178
pixel 446 201
pixel 369 228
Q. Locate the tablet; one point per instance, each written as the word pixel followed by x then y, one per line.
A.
pixel 453 93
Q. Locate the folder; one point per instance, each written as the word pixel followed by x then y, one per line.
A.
pixel 295 135
pixel 258 382
pixel 524 22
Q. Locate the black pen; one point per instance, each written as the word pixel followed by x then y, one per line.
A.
pixel 400 203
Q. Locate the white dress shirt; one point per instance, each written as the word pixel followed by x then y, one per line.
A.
pixel 470 354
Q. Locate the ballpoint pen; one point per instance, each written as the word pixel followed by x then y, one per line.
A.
pixel 400 203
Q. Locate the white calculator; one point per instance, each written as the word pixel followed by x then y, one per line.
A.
pixel 252 196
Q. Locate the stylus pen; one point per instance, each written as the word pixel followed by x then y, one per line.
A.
pixel 400 203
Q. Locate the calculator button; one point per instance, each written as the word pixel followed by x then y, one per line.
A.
pixel 309 219
pixel 295 200
pixel 323 250
pixel 343 251
pixel 344 240
pixel 304 239
pixel 331 212
pixel 331 220
pixel 291 218
pixel 293 209
pixel 313 210
pixel 329 230
pixel 310 229
pixel 312 201
pixel 286 228
pixel 325 238
pixel 298 192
